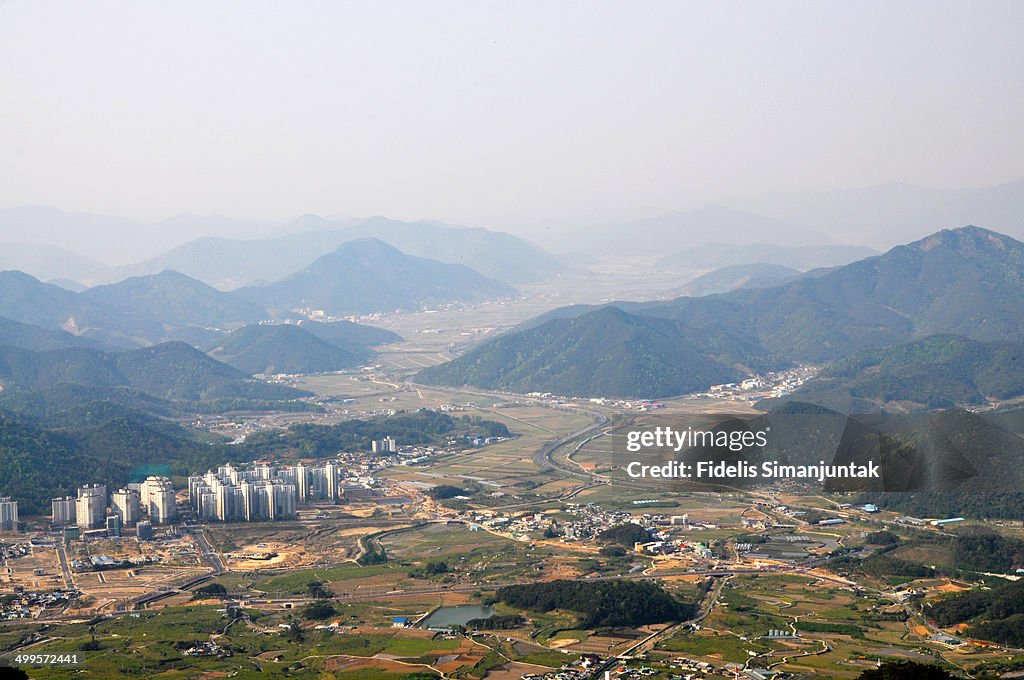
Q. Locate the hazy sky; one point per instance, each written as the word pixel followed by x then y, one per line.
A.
pixel 511 114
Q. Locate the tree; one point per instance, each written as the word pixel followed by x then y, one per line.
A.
pixel 210 590
pixel 318 611
pixel 906 670
pixel 625 535
pixel 318 590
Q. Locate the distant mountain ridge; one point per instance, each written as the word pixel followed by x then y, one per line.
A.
pixel 360 276
pixel 231 263
pixel 34 337
pixel 285 348
pixel 28 300
pixel 939 371
pixel 178 299
pixel 885 214
pixel 172 370
pixel 344 333
pixel 672 231
pixel 755 275
pixel 369 275
pixel 967 281
pixel 74 246
pixel 607 352
pixel 719 255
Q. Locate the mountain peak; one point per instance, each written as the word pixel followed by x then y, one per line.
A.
pixel 967 236
pixel 367 245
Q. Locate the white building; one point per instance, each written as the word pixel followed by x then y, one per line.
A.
pixel 301 473
pixel 8 514
pixel 156 496
pixel 63 510
pixel 126 505
pixel 90 509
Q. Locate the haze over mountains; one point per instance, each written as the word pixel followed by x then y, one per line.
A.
pixel 718 255
pixel 885 214
pixel 666 233
pixel 227 263
pixel 229 253
pixel 756 275
pixel 368 275
pixel 967 281
pixel 116 240
pixel 360 276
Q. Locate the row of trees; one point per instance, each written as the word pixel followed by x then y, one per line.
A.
pixel 610 603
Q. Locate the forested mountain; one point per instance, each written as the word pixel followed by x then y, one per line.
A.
pixel 170 370
pixel 370 276
pixel 177 299
pixel 607 352
pixel 50 405
pixel 110 449
pixel 967 281
pixel 133 313
pixel 996 613
pixel 349 333
pixel 28 300
pixel 285 348
pixel 939 371
pixel 29 336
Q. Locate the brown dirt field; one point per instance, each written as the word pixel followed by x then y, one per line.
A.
pixel 461 661
pixel 952 587
pixel 356 663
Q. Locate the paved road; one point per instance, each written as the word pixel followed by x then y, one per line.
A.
pixel 62 555
pixel 206 550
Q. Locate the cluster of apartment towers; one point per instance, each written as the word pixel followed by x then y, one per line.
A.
pixel 153 497
pixel 266 493
pixel 261 493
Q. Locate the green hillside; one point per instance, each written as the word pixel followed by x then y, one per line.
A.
pixel 111 450
pixel 176 299
pixel 348 333
pixel 170 370
pixel 607 352
pixel 967 281
pixel 285 348
pixel 939 371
